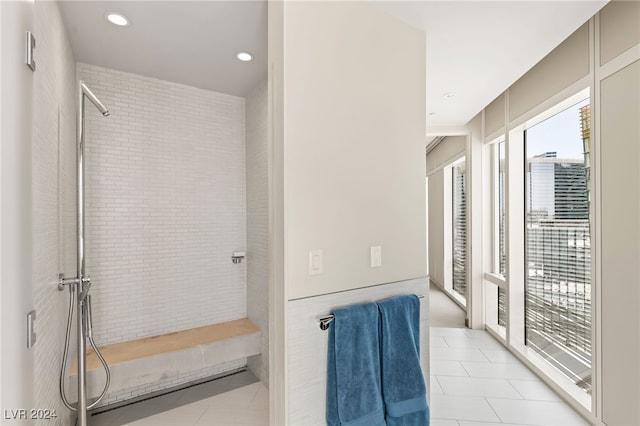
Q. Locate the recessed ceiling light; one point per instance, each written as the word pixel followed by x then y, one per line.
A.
pixel 449 95
pixel 244 56
pixel 116 19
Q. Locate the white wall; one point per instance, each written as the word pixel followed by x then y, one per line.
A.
pixel 277 290
pixel 494 116
pixel 16 371
pixel 354 144
pixel 565 65
pixel 436 228
pixel 258 223
pixel 165 205
pixel 447 151
pixel 620 136
pixel 347 172
pixel 618 146
pixel 54 197
pixel 619 29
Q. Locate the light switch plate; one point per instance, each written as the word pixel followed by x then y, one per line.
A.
pixel 376 256
pixel 315 262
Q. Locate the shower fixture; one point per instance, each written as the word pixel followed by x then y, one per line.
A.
pixel 237 256
pixel 81 284
pixel 89 94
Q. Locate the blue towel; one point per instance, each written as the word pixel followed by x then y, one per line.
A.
pixel 354 395
pixel 403 388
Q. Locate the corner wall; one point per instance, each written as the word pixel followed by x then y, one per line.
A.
pixel 16 370
pixel 258 223
pixel 54 201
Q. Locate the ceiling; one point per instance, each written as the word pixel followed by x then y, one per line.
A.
pixel 188 42
pixel 475 49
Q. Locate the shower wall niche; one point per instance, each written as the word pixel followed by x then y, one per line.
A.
pixel 166 207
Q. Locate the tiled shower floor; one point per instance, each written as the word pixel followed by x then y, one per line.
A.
pixel 239 399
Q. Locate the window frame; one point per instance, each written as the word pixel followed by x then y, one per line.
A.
pixel 561 107
pixel 515 241
pixel 493 280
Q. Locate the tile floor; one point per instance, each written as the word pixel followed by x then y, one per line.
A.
pixel 475 381
pixel 443 312
pixel 239 399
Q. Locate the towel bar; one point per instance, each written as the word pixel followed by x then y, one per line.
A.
pixel 328 319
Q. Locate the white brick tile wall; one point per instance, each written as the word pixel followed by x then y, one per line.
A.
pixel 307 344
pixel 165 207
pixel 257 223
pixel 53 168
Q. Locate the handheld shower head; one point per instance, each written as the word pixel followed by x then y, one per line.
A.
pixel 94 100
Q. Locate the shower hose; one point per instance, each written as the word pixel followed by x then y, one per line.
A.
pixel 89 328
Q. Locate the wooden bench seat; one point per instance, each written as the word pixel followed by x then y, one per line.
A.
pixel 118 353
pixel 153 359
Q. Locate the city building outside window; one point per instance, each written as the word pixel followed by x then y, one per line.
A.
pixel 459 228
pixel 558 242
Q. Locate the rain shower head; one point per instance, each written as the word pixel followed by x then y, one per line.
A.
pixel 89 94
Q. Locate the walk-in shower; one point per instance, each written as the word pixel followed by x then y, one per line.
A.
pixel 79 286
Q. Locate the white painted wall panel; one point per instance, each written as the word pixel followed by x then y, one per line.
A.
pixel 619 28
pixel 436 227
pixel 494 115
pixel 451 148
pixel 354 146
pixel 620 183
pixel 566 64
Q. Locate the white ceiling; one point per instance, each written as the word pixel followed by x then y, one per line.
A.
pixel 475 49
pixel 188 42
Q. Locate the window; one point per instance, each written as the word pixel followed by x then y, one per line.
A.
pixel 499 244
pixel 500 210
pixel 558 242
pixel 459 234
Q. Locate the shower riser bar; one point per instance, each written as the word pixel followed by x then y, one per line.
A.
pixel 81 283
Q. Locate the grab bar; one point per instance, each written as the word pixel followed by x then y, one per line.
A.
pixel 326 320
